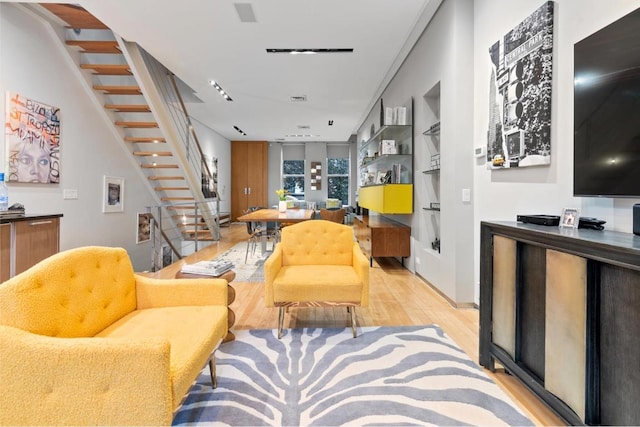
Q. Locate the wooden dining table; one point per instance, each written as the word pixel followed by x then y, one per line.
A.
pixel 274 215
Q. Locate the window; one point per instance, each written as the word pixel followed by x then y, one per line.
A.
pixel 338 173
pixel 293 170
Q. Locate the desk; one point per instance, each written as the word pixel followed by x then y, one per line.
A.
pixel 274 215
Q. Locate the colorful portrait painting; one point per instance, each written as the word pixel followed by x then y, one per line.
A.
pixel 32 132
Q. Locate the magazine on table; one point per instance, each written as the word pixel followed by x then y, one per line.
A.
pixel 208 268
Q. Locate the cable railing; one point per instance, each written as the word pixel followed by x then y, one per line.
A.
pixel 178 229
pixel 170 89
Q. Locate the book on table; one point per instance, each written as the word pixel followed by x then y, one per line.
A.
pixel 208 268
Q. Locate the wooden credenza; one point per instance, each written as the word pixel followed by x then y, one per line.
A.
pixel 382 237
pixel 26 240
pixel 560 310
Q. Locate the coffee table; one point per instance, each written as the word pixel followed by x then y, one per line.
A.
pixel 228 276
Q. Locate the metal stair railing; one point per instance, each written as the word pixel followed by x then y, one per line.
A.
pixel 167 239
pixel 174 121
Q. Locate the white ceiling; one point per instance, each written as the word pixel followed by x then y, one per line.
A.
pixel 202 40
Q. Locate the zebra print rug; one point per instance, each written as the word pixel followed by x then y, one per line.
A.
pixel 324 377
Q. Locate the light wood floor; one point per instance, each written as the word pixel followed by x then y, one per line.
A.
pixel 397 298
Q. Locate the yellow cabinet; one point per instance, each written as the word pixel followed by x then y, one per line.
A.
pixel 387 198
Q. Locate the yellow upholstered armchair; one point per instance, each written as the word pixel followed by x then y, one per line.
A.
pixel 86 341
pixel 317 263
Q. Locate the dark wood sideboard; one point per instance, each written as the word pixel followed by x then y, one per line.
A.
pixel 25 240
pixel 379 236
pixel 560 310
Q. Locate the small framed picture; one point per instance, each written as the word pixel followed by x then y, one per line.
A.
pixel 570 217
pixel 113 195
pixel 144 228
pixel 388 146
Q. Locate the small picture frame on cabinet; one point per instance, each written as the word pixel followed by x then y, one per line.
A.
pixel 570 218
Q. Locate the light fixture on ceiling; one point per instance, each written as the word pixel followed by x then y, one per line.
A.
pixel 311 51
pixel 240 130
pixel 330 122
pixel 221 91
pixel 298 98
pixel 299 135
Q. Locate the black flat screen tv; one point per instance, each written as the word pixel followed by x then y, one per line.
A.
pixel 606 150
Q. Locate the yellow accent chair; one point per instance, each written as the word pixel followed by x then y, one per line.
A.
pixel 86 341
pixel 317 263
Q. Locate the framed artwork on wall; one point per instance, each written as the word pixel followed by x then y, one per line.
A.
pixel 143 230
pixel 32 131
pixel 316 175
pixel 519 129
pixel 113 195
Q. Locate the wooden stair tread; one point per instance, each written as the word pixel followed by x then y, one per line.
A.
pixel 153 153
pixel 119 90
pixel 75 16
pixel 145 139
pixel 207 238
pixel 158 178
pixel 186 216
pixel 176 208
pixel 171 188
pixel 128 108
pixel 167 199
pixel 96 46
pixel 137 124
pixel 158 166
pixel 108 69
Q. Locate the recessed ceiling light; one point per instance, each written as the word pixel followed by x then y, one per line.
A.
pixel 304 127
pixel 298 98
pixel 310 51
pixel 222 93
pixel 239 130
pixel 330 122
pixel 299 135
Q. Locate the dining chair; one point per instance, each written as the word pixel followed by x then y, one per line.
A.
pixel 257 232
pixel 335 215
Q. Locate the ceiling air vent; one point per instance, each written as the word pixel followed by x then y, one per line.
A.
pixel 245 12
pixel 299 98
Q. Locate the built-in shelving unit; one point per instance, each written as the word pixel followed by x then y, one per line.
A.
pixel 386 169
pixel 432 166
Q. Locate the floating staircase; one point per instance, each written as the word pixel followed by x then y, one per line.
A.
pixel 114 83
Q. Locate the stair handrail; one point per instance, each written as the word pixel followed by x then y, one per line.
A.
pixel 192 131
pixel 169 95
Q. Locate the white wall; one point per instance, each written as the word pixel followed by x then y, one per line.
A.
pixel 443 55
pixel 215 145
pixel 502 194
pixel 34 64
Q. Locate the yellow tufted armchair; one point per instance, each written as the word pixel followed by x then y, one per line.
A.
pixel 317 263
pixel 85 341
